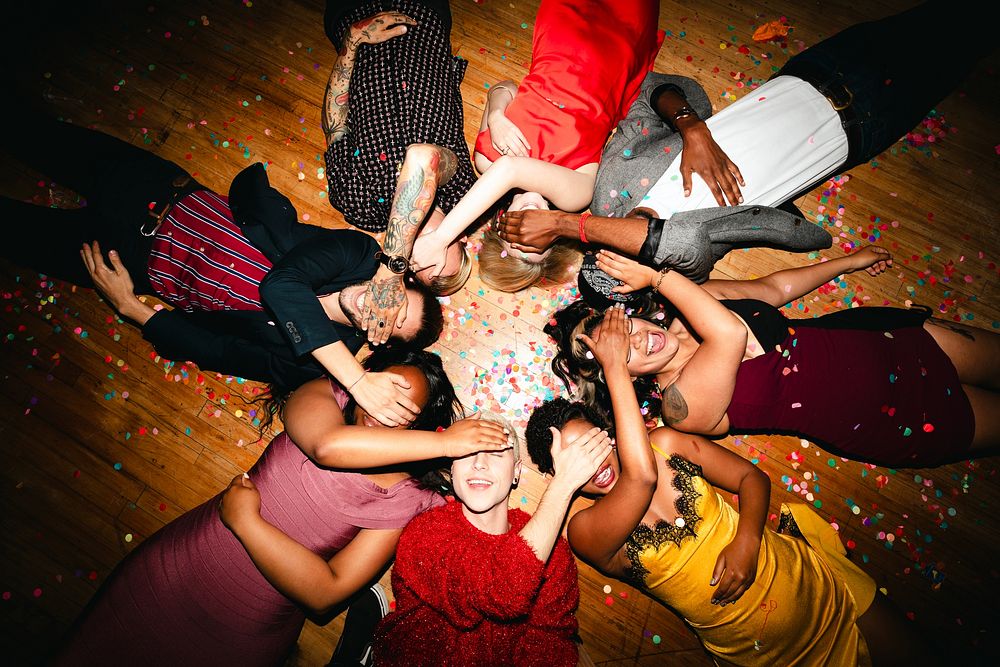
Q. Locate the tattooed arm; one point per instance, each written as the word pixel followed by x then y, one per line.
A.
pixel 373 30
pixel 425 167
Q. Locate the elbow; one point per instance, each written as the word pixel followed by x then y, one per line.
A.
pixel 760 477
pixel 269 286
pixel 327 453
pixel 735 331
pixel 321 602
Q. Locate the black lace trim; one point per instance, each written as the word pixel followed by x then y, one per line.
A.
pixel 644 537
pixel 787 525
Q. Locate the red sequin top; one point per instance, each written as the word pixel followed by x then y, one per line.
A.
pixel 464 597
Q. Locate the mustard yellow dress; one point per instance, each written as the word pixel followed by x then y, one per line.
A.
pixel 800 610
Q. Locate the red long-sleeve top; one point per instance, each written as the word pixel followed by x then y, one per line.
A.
pixel 464 597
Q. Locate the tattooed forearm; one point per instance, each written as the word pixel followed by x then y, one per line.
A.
pixel 402 227
pixel 424 168
pixel 335 100
pixel 675 408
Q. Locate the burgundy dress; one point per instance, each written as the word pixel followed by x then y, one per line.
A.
pixel 190 595
pixel 868 383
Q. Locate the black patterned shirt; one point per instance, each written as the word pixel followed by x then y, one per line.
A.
pixel 403 91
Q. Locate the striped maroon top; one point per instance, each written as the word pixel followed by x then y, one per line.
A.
pixel 200 259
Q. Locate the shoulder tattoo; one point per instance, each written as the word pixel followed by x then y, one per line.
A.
pixel 675 408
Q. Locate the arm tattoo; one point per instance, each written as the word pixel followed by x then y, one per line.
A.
pixel 335 100
pixel 675 408
pixel 413 199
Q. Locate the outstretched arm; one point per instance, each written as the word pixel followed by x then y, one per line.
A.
pixel 534 230
pixel 736 566
pixel 293 569
pixel 784 286
pixel 598 533
pixel 315 423
pixel 567 189
pixel 378 28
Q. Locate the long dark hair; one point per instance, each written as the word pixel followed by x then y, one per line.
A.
pixel 576 366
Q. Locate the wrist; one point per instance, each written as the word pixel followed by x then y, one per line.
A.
pixel 136 311
pixel 244 522
pixel 685 124
pixel 383 273
pixel 560 490
pixel 656 279
pixel 567 225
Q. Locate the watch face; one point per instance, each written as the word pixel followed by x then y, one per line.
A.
pixel 397 264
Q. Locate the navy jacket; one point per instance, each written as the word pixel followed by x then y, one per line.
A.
pixel 274 345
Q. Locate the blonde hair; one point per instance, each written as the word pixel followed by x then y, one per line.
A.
pixel 512 439
pixel 513 273
pixel 445 285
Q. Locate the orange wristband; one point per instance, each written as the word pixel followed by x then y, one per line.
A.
pixel 583 220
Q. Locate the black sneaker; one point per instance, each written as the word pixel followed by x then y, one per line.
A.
pixel 355 645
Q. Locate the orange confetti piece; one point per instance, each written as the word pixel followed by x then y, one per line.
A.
pixel 769 31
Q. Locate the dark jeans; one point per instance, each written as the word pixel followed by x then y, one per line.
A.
pixel 335 24
pixel 118 181
pixel 896 70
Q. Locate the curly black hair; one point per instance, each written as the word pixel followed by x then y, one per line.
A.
pixel 574 364
pixel 556 413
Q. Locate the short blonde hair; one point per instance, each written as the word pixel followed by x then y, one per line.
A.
pixel 512 273
pixel 445 285
pixel 512 438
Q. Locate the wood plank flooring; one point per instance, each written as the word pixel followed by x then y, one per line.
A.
pixel 102 442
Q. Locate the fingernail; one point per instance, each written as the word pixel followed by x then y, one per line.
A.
pixel 714 601
pixel 712 582
pixel 246 475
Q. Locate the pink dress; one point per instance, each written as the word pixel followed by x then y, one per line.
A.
pixel 190 595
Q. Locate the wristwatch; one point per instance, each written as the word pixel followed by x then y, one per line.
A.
pixel 396 263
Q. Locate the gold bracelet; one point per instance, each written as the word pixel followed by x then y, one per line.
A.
pixel 663 272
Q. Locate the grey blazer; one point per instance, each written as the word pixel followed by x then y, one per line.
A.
pixel 637 155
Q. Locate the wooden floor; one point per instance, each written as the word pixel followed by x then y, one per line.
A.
pixel 102 442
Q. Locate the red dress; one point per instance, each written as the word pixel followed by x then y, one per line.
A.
pixel 588 60
pixel 465 597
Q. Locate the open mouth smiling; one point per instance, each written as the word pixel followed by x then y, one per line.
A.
pixel 604 476
pixel 655 341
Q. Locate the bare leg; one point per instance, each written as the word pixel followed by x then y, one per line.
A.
pixel 986 408
pixel 891 639
pixel 974 352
